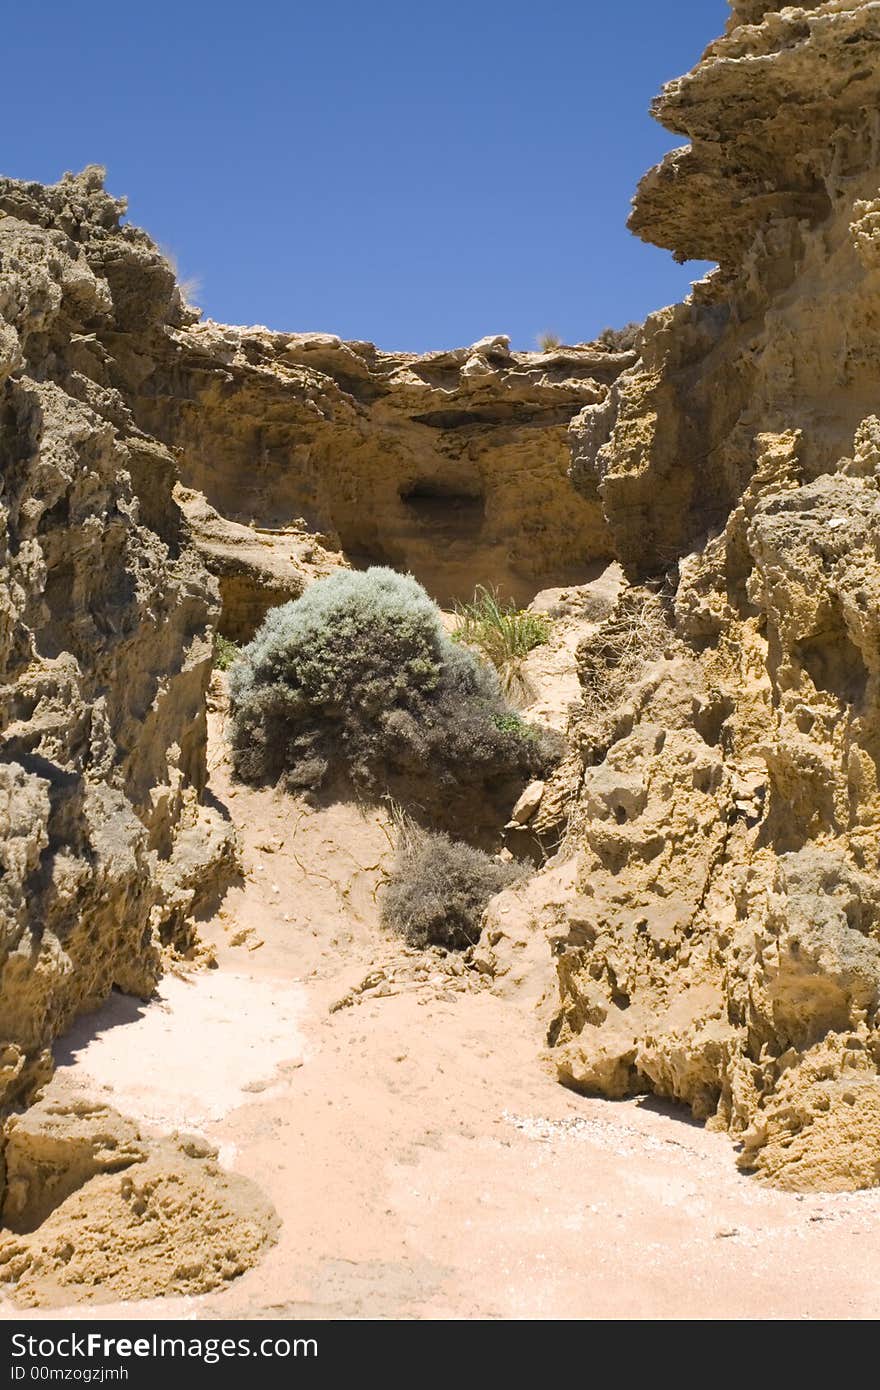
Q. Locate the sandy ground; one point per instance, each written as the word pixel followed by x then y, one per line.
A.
pixel 424 1162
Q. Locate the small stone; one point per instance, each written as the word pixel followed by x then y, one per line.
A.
pixel 528 803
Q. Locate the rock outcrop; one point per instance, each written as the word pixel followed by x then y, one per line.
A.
pixel 256 568
pixel 106 619
pixel 142 453
pixel 714 910
pixel 96 1210
pixel 717 939
pixel 452 465
pixel 299 452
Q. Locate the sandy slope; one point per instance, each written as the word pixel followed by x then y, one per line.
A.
pixel 423 1161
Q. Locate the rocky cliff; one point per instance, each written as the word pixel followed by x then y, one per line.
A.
pixel 298 452
pixel 452 465
pixel 105 631
pixel 161 476
pixel 715 915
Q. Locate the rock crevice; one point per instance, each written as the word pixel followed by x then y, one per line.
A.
pixel 713 913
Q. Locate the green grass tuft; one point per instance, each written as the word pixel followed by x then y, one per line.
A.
pixel 503 633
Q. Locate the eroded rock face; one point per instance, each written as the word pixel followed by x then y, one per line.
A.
pixel 257 568
pixel 719 938
pixel 105 630
pixel 780 185
pixel 97 1210
pixel 140 448
pixel 452 466
pixel 714 912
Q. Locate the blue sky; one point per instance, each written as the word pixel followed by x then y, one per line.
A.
pixel 412 173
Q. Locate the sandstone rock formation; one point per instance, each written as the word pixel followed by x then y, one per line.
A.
pixel 717 931
pixel 257 568
pixel 298 452
pixel 100 1211
pixel 452 465
pixel 105 631
pixel 713 913
pixel 294 454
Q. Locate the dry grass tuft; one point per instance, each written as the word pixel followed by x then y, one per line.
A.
pixel 614 657
pixel 438 888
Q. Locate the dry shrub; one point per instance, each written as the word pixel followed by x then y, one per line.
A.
pixel 439 888
pixel 620 339
pixel 611 660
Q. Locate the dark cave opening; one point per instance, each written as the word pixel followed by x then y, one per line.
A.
pixel 445 509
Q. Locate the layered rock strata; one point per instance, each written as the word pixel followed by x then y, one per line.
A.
pixel 452 465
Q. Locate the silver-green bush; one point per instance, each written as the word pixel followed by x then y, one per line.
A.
pixel 359 677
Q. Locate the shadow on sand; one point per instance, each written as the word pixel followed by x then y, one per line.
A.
pixel 118 1009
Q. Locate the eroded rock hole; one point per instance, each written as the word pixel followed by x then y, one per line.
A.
pixel 834 664
pixel 448 511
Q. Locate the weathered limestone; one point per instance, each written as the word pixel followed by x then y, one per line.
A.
pixel 256 568
pixel 713 914
pixel 720 940
pixel 105 632
pixel 452 465
pixel 98 1211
